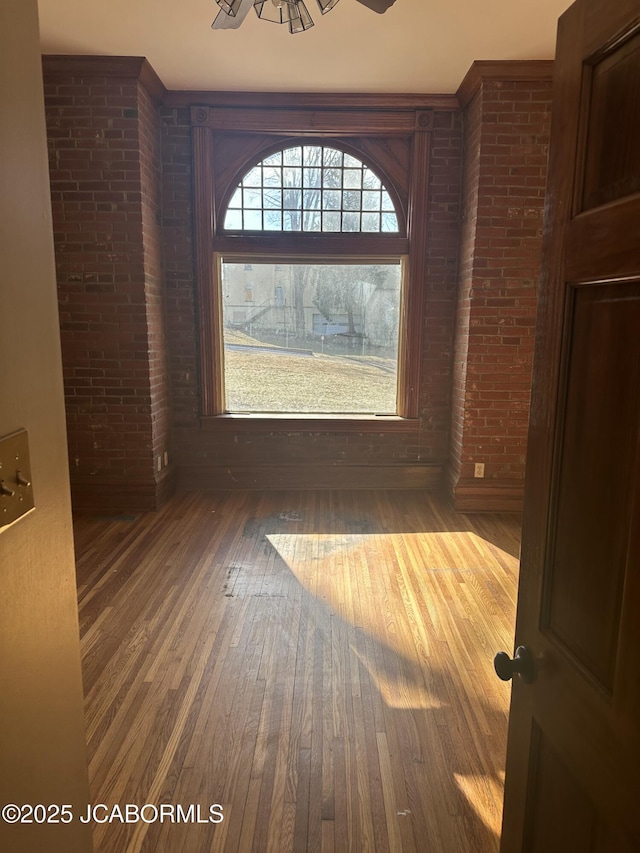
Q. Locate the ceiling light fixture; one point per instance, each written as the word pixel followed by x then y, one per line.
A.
pixel 294 13
pixel 291 12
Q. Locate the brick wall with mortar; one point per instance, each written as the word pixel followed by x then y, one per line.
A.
pixel 101 169
pixel 507 124
pixel 151 185
pixel 107 140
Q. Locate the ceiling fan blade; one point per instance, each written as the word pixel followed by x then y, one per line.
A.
pixel 378 6
pixel 223 21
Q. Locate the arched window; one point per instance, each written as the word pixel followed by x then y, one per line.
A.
pixel 321 214
pixel 312 188
pixel 327 343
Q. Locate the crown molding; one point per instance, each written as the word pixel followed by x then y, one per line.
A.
pixel 482 71
pixel 311 100
pixel 132 67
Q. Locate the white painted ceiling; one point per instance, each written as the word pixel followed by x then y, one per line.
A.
pixel 417 46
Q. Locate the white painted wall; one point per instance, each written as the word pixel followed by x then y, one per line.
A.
pixel 42 753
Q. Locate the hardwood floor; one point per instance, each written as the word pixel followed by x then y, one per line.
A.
pixel 317 663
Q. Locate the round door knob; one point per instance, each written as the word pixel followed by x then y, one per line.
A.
pixel 522 664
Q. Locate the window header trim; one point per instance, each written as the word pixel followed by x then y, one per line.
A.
pixel 313 122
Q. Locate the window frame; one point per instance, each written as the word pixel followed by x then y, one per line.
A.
pixel 277 128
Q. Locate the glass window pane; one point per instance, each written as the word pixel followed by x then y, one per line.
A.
pixel 272 177
pixel 332 178
pixel 371 181
pixel 272 220
pixel 292 157
pixel 311 199
pixel 389 222
pixel 233 220
pixel 252 198
pixel 236 199
pixel 350 221
pixel 253 178
pixel 331 222
pixel 387 204
pixel 351 200
pixel 312 177
pixel 352 179
pixel 272 198
pixel 351 161
pixel 253 220
pixel 331 199
pixel 331 157
pixel 312 155
pixel 292 199
pixel 291 221
pixel 273 159
pixel 371 222
pixel 311 220
pixel 292 177
pixel 343 317
pixel 370 200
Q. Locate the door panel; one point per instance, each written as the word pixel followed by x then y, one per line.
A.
pixel 612 157
pixel 596 464
pixel 560 819
pixel 573 759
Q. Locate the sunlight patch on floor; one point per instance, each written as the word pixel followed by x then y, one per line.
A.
pixel 339 572
pixel 482 793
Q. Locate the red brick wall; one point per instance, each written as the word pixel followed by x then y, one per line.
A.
pixel 470 192
pixel 121 173
pixel 206 457
pixel 151 185
pixel 102 205
pixel 506 141
pixel 443 229
pixel 179 274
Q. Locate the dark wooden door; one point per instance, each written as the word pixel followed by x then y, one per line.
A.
pixel 573 763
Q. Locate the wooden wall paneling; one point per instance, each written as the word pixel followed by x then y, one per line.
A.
pixel 310 476
pixel 277 423
pixel 413 304
pixel 393 156
pixel 208 303
pixel 233 153
pixel 495 495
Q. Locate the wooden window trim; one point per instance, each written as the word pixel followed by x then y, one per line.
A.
pixel 311 423
pixel 312 123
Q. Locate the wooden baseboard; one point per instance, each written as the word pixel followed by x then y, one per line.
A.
pixel 488 495
pixel 269 477
pixel 100 495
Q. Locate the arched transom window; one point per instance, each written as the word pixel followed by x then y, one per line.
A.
pixel 311 188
